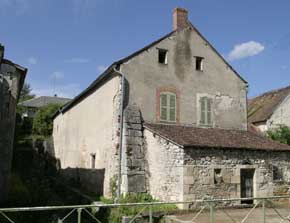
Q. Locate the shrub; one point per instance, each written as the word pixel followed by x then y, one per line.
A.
pixel 42 122
pixel 115 214
pixel 280 134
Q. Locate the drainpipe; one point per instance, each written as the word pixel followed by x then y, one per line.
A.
pixel 121 114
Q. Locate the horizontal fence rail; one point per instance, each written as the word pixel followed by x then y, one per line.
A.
pixel 209 204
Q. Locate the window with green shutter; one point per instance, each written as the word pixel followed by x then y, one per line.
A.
pixel 168 107
pixel 206 111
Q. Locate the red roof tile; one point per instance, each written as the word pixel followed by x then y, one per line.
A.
pixel 215 138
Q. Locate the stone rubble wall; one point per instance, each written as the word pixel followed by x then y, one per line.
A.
pixel 199 166
pixel 165 168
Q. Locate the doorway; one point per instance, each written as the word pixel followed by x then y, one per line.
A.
pixel 247 185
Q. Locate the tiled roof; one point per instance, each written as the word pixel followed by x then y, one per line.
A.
pixel 262 107
pixel 43 101
pixel 215 138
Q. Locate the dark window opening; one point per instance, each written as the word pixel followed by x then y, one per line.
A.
pixel 199 63
pixel 277 173
pixel 162 56
pixel 217 176
pixel 93 161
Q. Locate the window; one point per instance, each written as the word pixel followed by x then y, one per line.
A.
pixel 168 107
pixel 93 160
pixel 217 176
pixel 199 63
pixel 206 111
pixel 277 173
pixel 162 56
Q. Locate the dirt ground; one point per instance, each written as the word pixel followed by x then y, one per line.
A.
pixel 236 215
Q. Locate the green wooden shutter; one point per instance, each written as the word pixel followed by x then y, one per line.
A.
pixel 203 110
pixel 163 107
pixel 172 108
pixel 209 111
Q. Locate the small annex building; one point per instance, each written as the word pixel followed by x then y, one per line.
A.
pixel 270 110
pixel 172 118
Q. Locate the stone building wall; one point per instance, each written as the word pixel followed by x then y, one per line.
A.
pixel 200 165
pixel 165 168
pixel 11 79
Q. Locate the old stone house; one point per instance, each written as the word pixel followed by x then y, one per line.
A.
pixel 11 81
pixel 270 109
pixel 172 118
pixel 31 106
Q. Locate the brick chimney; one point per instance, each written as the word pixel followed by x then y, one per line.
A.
pixel 179 18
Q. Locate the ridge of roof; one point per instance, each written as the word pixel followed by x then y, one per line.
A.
pixel 117 63
pixel 190 136
pixel 262 107
pixel 44 100
pixel 109 70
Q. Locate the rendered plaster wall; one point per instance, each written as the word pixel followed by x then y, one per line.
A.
pixel 147 78
pixel 91 128
pixel 281 115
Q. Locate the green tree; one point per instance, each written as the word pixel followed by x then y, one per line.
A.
pixel 42 122
pixel 280 134
pixel 25 93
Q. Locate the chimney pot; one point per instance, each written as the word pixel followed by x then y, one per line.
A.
pixel 180 20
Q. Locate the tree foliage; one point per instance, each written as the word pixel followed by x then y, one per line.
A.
pixel 25 93
pixel 280 134
pixel 42 122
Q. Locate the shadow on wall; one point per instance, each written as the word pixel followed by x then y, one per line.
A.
pixel 7 123
pixel 83 179
pixel 87 180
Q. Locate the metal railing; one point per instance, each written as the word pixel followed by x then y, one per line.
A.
pixel 204 206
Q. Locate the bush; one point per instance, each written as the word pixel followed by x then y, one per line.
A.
pixel 280 134
pixel 116 214
pixel 42 122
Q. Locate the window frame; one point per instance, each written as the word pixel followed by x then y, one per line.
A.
pixel 208 111
pixel 168 106
pixel 160 50
pixel 201 59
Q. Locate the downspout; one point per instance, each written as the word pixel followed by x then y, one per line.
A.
pixel 121 114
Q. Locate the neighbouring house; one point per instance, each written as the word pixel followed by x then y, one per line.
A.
pixel 11 81
pixel 270 110
pixel 172 118
pixel 31 106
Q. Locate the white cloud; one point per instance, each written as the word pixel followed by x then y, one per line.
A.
pixel 31 60
pixel 101 68
pixel 247 49
pixel 57 75
pixel 77 60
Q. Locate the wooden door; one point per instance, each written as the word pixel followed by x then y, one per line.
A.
pixel 247 186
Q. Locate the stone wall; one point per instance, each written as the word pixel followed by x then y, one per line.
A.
pixel 165 168
pixel 200 165
pixel 9 88
pixel 133 157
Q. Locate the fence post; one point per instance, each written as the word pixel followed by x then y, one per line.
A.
pixel 264 210
pixel 150 214
pixel 211 209
pixel 79 215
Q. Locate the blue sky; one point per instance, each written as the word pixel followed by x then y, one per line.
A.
pixel 72 41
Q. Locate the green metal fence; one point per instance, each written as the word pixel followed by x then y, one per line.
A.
pixel 263 209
